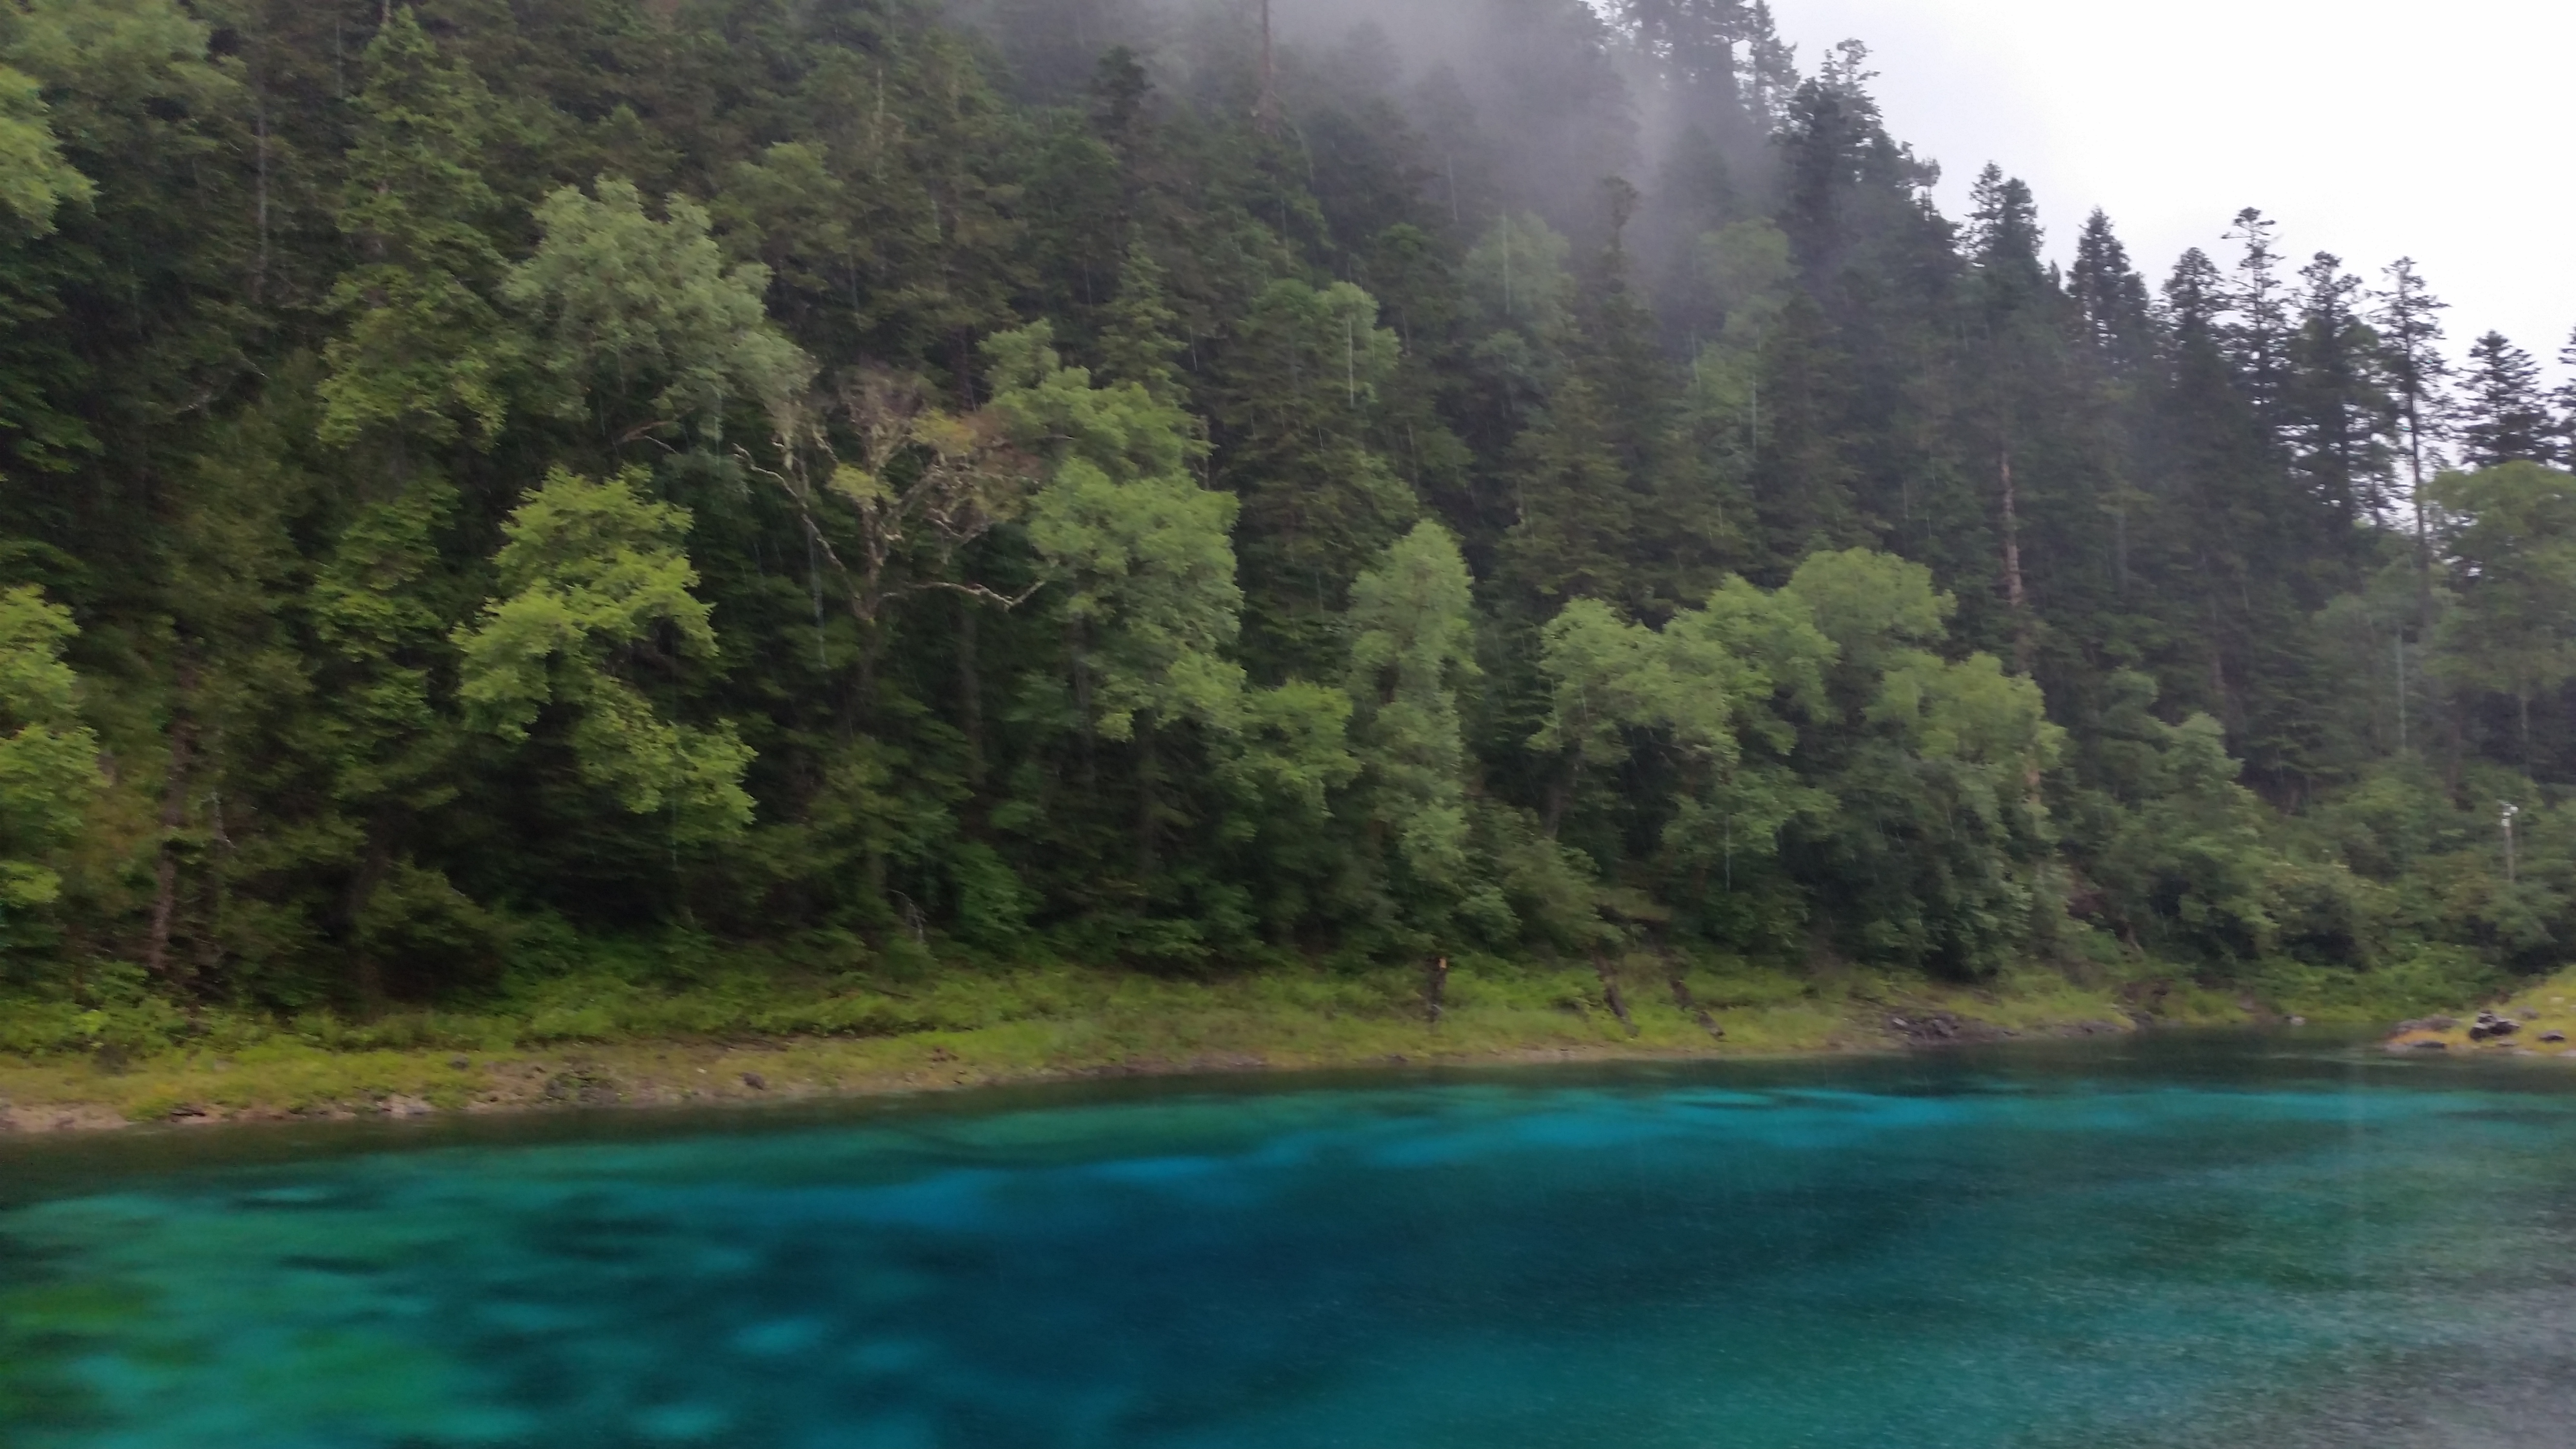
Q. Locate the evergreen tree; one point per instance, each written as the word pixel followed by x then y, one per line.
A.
pixel 2109 295
pixel 2502 416
pixel 424 349
pixel 1767 73
pixel 2409 321
pixel 2341 415
pixel 2258 333
pixel 806 479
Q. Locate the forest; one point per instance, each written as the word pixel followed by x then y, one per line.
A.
pixel 497 486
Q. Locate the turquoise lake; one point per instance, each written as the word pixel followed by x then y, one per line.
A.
pixel 2171 1241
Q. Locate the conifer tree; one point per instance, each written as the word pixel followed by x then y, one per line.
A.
pixel 2109 294
pixel 2502 415
pixel 2341 414
pixel 2565 398
pixel 1767 68
pixel 2409 322
pixel 2258 334
pixel 1294 419
pixel 424 351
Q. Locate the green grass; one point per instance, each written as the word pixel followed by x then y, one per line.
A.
pixel 692 1040
pixel 630 1032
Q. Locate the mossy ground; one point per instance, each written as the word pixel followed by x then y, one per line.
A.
pixel 756 1033
pixel 597 1040
pixel 2544 1008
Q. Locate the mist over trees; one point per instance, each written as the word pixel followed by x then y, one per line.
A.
pixel 1056 479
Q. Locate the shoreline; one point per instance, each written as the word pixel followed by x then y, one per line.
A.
pixel 2537 1019
pixel 285 1083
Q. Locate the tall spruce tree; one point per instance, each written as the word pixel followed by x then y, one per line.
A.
pixel 2502 415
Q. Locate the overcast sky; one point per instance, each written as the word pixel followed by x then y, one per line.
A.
pixel 2370 129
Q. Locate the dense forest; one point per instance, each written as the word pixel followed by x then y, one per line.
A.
pixel 488 481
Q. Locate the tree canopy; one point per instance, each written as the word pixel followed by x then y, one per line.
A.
pixel 896 479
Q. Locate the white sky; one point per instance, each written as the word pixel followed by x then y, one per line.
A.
pixel 2368 128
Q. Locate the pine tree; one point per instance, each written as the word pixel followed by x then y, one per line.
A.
pixel 2258 336
pixel 1692 44
pixel 2409 323
pixel 2109 294
pixel 1294 413
pixel 2565 397
pixel 424 351
pixel 2502 415
pixel 2003 238
pixel 1767 69
pixel 2339 409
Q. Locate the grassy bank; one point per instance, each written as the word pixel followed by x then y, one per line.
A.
pixel 2540 1009
pixel 755 1032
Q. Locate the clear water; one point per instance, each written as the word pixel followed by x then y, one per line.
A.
pixel 2168 1243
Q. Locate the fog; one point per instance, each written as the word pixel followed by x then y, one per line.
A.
pixel 2360 129
pixel 2367 128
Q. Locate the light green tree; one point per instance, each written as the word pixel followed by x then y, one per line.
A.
pixel 1516 280
pixel 1936 850
pixel 2515 548
pixel 1606 675
pixel 1141 551
pixel 640 324
pixel 1412 650
pixel 48 758
pixel 1746 268
pixel 594 579
pixel 1753 665
pixel 35 180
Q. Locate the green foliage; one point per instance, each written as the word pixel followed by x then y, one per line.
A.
pixel 34 178
pixel 636 315
pixel 424 343
pixel 48 758
pixel 1141 549
pixel 593 576
pixel 1142 539
pixel 2516 547
pixel 1411 653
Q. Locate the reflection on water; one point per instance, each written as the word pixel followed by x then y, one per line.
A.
pixel 2179 1242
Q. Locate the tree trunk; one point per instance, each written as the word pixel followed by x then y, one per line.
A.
pixel 1610 992
pixel 1089 763
pixel 174 812
pixel 2023 644
pixel 362 889
pixel 1148 766
pixel 1560 795
pixel 869 638
pixel 970 692
pixel 2423 536
pixel 1265 108
pixel 1690 1006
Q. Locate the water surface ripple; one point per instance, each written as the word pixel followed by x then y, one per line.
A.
pixel 2174 1242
